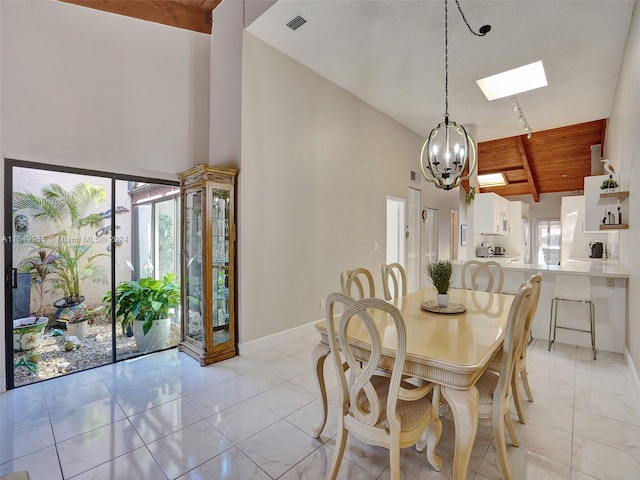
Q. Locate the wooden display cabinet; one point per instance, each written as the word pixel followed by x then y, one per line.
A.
pixel 209 321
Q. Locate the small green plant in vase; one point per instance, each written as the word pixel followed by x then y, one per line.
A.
pixel 608 183
pixel 440 274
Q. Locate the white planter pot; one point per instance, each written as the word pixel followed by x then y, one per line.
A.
pixel 442 299
pixel 27 332
pixel 155 339
pixel 79 329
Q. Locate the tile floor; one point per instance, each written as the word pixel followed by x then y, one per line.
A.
pixel 165 417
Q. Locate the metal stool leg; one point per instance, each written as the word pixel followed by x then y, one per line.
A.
pixel 552 321
pixel 593 328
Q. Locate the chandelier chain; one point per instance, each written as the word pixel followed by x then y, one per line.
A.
pixel 446 60
pixel 478 34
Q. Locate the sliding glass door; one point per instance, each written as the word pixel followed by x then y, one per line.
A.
pixel 72 238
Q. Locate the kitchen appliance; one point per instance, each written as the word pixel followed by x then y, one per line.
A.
pixel 484 252
pixel 498 250
pixel 597 249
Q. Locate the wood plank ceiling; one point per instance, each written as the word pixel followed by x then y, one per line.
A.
pixel 188 14
pixel 550 161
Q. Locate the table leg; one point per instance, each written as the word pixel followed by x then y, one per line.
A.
pixel 319 354
pixel 464 407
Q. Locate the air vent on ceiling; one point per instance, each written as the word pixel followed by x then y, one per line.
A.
pixel 296 22
pixel 415 178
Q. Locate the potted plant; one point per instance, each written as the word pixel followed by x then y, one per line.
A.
pixel 39 266
pixel 78 320
pixel 68 212
pixel 440 274
pixel 145 305
pixel 609 183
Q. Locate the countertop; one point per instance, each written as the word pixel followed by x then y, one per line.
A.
pixel 597 268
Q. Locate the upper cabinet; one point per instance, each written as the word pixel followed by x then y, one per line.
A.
pixel 605 209
pixel 491 214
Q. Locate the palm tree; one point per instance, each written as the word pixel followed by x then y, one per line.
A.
pixel 68 212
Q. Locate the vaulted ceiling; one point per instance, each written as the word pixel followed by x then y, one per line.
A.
pixel 389 54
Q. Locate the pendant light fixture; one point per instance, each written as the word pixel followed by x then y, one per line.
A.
pixel 445 153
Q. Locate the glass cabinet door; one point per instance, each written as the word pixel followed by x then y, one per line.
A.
pixel 193 252
pixel 220 265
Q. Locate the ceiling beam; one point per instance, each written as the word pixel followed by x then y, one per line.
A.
pixel 167 12
pixel 519 188
pixel 527 168
pixel 603 134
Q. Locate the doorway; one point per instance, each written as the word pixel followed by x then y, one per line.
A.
pixel 74 236
pixel 395 230
pixel 429 240
pixel 453 235
pixel 413 241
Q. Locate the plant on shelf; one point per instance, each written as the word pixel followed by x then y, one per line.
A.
pixel 608 183
pixel 440 273
pixel 67 213
pixel 144 304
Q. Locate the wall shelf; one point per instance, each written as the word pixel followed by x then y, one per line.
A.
pixel 620 226
pixel 618 195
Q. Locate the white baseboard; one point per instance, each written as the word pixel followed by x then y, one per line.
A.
pixel 635 379
pixel 285 336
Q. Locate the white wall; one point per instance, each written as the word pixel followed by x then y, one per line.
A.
pixel 622 147
pixel 317 165
pixel 85 88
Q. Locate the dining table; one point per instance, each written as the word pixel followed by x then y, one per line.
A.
pixel 446 346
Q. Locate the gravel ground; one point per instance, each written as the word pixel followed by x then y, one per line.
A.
pixel 94 351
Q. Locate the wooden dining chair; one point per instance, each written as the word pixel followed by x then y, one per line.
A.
pixel 495 389
pixel 521 362
pixel 384 411
pixel 394 281
pixel 357 281
pixel 484 276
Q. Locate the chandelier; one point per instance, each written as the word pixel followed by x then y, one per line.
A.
pixel 445 153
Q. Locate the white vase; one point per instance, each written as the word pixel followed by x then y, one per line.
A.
pixel 79 329
pixel 442 299
pixel 155 339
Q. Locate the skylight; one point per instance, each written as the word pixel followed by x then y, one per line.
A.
pixel 491 180
pixel 512 82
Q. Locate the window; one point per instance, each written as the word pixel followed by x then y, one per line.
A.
pixel 548 242
pixel 156 226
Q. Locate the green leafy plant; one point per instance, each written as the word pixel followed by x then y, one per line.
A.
pixel 469 197
pixel 84 313
pixel 67 212
pixel 608 183
pixel 441 275
pixel 146 299
pixel 39 266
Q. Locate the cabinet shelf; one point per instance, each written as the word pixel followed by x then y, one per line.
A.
pixel 620 226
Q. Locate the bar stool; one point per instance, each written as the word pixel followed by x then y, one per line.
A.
pixel 573 288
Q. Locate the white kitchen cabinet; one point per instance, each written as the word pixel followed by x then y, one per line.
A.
pixel 491 214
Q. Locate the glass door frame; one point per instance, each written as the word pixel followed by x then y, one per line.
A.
pixel 9 165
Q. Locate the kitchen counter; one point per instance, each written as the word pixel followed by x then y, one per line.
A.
pixel 596 268
pixel 609 283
